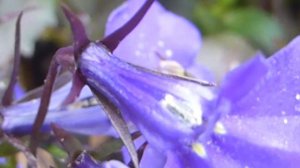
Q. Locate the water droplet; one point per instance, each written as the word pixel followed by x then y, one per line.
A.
pixel 285 121
pixel 283 112
pixel 297 107
pixel 257 99
pixel 169 53
pixel 297 96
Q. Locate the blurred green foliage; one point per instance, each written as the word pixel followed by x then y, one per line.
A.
pixel 251 22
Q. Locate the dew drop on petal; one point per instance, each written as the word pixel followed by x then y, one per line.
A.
pixel 297 96
pixel 285 121
pixel 169 53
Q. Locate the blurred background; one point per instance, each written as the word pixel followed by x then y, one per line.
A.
pixel 232 30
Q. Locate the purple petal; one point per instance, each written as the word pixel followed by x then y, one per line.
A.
pixel 19 91
pixel 261 127
pixel 282 133
pixel 165 109
pixel 275 91
pixel 241 81
pixel 3 161
pixel 152 158
pixel 112 40
pixel 247 154
pixel 18 119
pixel 155 37
pixel 185 157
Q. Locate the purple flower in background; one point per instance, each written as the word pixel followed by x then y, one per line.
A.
pixel 83 116
pixel 169 42
pixel 162 35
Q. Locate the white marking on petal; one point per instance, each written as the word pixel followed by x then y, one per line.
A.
pixel 188 111
pixel 169 53
pixel 297 96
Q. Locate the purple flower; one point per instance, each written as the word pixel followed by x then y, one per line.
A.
pixel 172 111
pixel 255 121
pixel 84 116
pixel 161 35
pixel 169 110
pixel 251 121
pixel 260 126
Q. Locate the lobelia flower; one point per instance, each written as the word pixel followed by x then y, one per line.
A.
pixel 255 120
pixel 253 123
pixel 156 40
pixel 261 125
pixel 83 116
pixel 156 43
pixel 167 109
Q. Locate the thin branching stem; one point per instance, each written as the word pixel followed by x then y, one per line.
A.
pixel 8 94
pixel 58 59
pixel 43 108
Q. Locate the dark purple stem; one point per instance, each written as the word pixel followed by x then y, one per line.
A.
pixel 43 108
pixel 112 41
pixel 8 95
pixel 77 85
pixel 79 35
pixel 58 58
